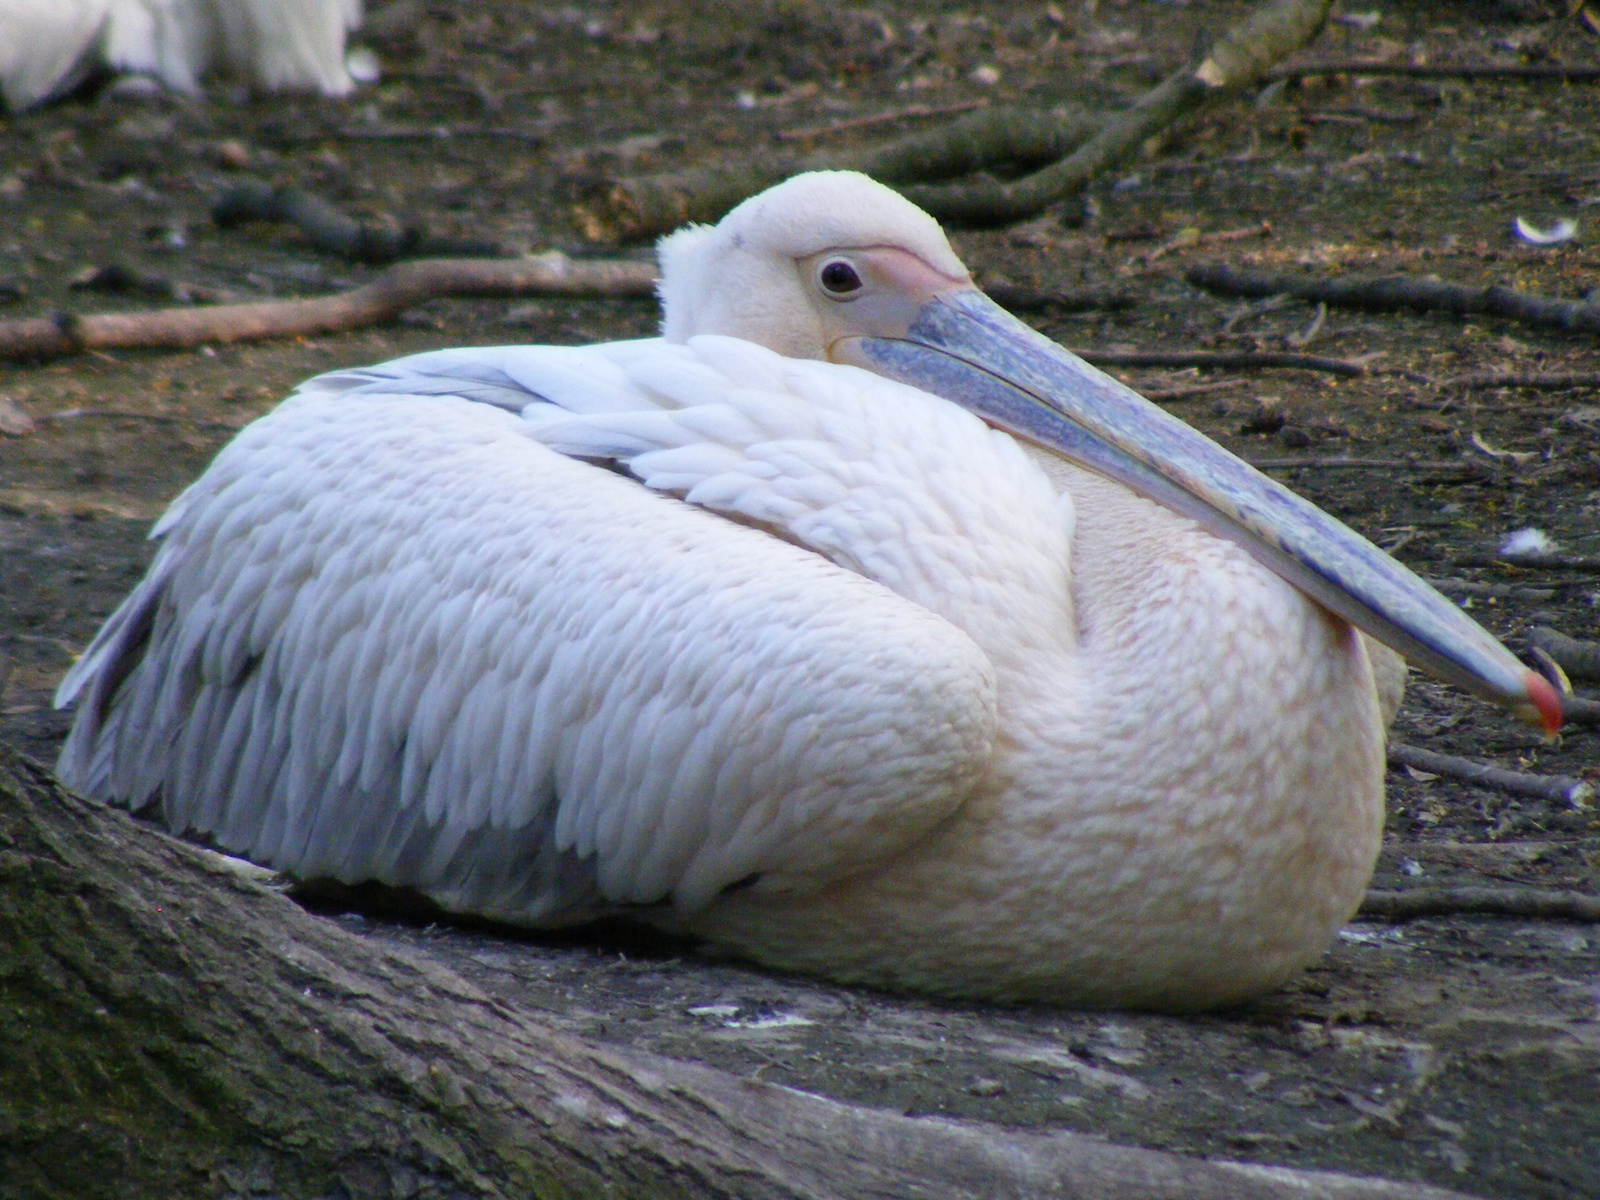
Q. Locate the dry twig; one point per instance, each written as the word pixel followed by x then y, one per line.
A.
pixel 1357 66
pixel 1546 903
pixel 1189 391
pixel 1214 359
pixel 1560 788
pixel 1542 381
pixel 397 289
pixel 646 205
pixel 1395 292
pixel 1076 147
pixel 1364 464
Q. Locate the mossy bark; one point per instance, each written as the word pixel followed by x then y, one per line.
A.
pixel 171 1028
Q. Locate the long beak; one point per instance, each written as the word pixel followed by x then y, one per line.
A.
pixel 966 348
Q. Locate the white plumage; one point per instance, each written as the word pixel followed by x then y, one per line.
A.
pixel 46 46
pixel 776 651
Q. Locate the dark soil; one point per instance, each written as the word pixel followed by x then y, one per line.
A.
pixel 1464 1051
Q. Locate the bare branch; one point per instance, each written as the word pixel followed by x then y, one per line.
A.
pixel 1560 788
pixel 643 206
pixel 1214 359
pixel 1395 292
pixel 1544 903
pixel 1360 66
pixel 397 289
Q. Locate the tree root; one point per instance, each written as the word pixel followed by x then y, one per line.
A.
pixel 397 289
pixel 171 1023
pixel 1395 292
pixel 1563 789
pixel 1545 903
pixel 1076 147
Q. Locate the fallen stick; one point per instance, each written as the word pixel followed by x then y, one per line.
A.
pixel 1079 146
pixel 1546 381
pixel 1363 464
pixel 643 206
pixel 1191 238
pixel 1543 903
pixel 1502 591
pixel 397 289
pixel 1357 66
pixel 1541 562
pixel 333 232
pixel 1213 359
pixel 1239 59
pixel 1396 292
pixel 851 124
pixel 1577 658
pixel 1190 391
pixel 1561 788
pixel 1021 298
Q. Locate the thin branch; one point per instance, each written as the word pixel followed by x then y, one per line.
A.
pixel 1364 464
pixel 1560 788
pixel 1544 381
pixel 1501 591
pixel 911 112
pixel 1396 292
pixel 1577 658
pixel 1239 59
pixel 1077 146
pixel 397 289
pixel 1299 341
pixel 1358 66
pixel 1542 562
pixel 1189 239
pixel 1544 903
pixel 1189 391
pixel 1215 359
pixel 1022 298
pixel 642 206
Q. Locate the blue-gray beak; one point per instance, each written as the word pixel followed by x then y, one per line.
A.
pixel 966 348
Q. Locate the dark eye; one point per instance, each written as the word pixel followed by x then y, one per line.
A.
pixel 839 278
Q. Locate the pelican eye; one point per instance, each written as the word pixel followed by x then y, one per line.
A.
pixel 839 278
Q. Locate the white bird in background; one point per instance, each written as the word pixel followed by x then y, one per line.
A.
pixel 47 47
pixel 783 653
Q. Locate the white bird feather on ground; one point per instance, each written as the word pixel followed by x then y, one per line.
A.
pixel 767 649
pixel 48 46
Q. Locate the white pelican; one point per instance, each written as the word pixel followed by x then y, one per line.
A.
pixel 48 46
pixel 777 651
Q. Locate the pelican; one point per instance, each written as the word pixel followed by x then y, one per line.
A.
pixel 850 624
pixel 47 47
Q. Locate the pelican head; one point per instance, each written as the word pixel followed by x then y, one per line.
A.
pixel 832 265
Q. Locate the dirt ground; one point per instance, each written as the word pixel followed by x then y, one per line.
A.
pixel 1462 1051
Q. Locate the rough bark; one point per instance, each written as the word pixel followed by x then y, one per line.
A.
pixel 172 1028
